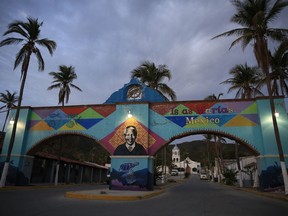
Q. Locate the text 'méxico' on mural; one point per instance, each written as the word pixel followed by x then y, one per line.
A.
pixel 204 120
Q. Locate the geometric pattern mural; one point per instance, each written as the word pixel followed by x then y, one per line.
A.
pixel 214 115
pixel 157 123
pixel 185 115
pixel 68 118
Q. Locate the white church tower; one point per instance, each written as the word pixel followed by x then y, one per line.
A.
pixel 176 156
pixel 192 167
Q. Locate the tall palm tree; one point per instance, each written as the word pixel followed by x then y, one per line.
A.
pixel 238 164
pixel 254 16
pixel 63 80
pixel 29 35
pixel 279 67
pixel 245 80
pixel 9 99
pixel 217 141
pixel 208 138
pixel 153 76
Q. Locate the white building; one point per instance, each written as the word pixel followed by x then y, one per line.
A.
pixel 248 166
pixel 187 164
pixel 176 156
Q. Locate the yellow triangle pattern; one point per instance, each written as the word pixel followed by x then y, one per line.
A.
pixel 239 120
pixel 41 125
pixel 72 125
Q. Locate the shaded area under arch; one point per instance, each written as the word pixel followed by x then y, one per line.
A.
pixel 72 146
pixel 238 140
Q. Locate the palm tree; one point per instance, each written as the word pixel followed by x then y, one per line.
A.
pixel 153 76
pixel 9 99
pixel 217 141
pixel 29 35
pixel 254 17
pixel 213 97
pixel 238 164
pixel 63 80
pixel 208 138
pixel 245 80
pixel 279 67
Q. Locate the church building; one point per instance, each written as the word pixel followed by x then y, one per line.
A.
pixel 187 164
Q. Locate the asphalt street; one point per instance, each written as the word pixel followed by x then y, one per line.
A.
pixel 191 197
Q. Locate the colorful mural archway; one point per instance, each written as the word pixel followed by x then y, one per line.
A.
pixel 157 124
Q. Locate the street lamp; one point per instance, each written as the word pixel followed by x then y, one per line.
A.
pixel 11 121
pixel 276 114
pixel 129 114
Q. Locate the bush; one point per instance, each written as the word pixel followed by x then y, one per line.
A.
pixel 229 176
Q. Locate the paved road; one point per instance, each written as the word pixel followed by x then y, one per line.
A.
pixel 193 197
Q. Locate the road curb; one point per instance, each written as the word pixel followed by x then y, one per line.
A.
pixel 279 196
pixel 120 195
pixel 106 195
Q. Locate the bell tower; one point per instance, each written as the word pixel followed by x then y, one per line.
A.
pixel 176 156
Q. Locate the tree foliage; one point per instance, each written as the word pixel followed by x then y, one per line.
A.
pixel 153 76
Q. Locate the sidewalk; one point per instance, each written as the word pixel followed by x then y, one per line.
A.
pixel 106 194
pixel 274 195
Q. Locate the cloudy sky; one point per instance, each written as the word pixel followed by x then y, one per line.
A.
pixel 106 39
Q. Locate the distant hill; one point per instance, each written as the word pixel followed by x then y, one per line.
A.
pixel 198 150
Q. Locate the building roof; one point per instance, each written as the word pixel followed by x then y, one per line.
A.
pixel 135 91
pixel 175 148
pixel 67 160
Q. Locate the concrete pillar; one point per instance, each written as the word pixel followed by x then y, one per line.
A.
pixel 80 174
pixel 91 174
pixel 67 175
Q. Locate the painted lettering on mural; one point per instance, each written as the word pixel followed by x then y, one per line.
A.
pixel 206 120
pixel 181 112
pixel 214 110
pixel 218 110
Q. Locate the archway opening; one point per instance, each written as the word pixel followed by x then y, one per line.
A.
pixel 211 152
pixel 81 159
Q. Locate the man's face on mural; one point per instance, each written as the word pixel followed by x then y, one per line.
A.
pixel 130 136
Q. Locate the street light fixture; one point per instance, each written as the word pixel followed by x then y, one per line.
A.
pixel 129 114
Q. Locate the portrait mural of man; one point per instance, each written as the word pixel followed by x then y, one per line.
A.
pixel 130 147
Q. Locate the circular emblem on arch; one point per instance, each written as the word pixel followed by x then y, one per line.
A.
pixel 134 92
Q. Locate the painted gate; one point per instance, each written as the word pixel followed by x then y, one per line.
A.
pixel 246 121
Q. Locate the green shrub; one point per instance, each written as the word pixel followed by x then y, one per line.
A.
pixel 229 176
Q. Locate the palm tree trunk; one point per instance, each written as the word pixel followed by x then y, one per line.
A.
pixel 265 67
pixel 238 165
pixel 211 174
pixel 56 180
pixel 7 114
pixel 219 171
pixel 13 134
